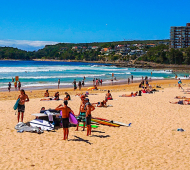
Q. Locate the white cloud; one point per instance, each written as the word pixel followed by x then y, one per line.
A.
pixel 26 42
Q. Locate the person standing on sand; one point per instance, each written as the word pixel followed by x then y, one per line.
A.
pixel 65 118
pixel 82 112
pixel 15 84
pixel 101 82
pixel 9 87
pixel 79 85
pixel 75 84
pixel 179 83
pixel 19 85
pixel 89 109
pixel 21 105
pixel 83 82
pixel 58 83
pixel 12 79
pixel 128 80
pixel 132 78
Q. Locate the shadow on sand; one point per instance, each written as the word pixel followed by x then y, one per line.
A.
pixel 97 131
pixel 101 136
pixel 80 140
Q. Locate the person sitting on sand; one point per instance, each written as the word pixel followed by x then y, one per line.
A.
pixel 56 97
pixel 65 118
pixel 130 95
pixel 43 108
pixel 183 102
pixel 108 96
pixel 95 87
pixel 68 97
pixel 100 104
pixel 46 94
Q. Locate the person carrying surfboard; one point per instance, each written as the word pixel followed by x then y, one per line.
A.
pixel 89 109
pixel 65 118
pixel 21 105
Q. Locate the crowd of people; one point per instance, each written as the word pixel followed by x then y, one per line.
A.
pixel 185 100
pixel 85 108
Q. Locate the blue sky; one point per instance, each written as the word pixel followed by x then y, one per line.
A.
pixel 55 21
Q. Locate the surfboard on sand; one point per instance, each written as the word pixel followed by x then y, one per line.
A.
pixel 105 122
pixel 43 124
pixel 16 104
pixel 120 123
pixel 93 126
pixel 73 119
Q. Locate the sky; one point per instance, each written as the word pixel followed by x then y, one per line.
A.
pixel 31 24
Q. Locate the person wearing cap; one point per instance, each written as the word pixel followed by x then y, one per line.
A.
pixel 65 118
pixel 82 112
pixel 89 109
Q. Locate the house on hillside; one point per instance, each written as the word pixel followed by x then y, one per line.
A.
pixel 150 45
pixel 94 47
pixel 74 48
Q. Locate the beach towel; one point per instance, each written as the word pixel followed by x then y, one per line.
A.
pixel 22 127
pixel 50 115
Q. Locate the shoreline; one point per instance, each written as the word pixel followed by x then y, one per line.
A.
pixel 90 84
pixel 132 87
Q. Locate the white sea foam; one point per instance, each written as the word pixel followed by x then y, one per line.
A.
pixel 55 68
pixel 50 77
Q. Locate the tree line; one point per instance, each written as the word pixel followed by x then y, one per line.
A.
pixel 63 51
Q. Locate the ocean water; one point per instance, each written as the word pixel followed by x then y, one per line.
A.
pixel 45 74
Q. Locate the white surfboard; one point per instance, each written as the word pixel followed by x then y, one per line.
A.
pixel 43 124
pixel 120 123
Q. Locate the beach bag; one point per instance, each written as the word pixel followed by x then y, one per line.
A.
pixel 16 104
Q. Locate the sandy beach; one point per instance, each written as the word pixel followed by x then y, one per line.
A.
pixel 152 141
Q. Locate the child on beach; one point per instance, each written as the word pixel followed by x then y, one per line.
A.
pixel 21 106
pixel 89 109
pixel 179 83
pixel 65 118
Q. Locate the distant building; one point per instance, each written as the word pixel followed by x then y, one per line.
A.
pixel 180 36
pixel 150 45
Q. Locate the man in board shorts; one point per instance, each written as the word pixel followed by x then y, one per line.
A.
pixel 21 105
pixel 89 109
pixel 65 118
pixel 82 112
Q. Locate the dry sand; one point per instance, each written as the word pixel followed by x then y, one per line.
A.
pixel 152 142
